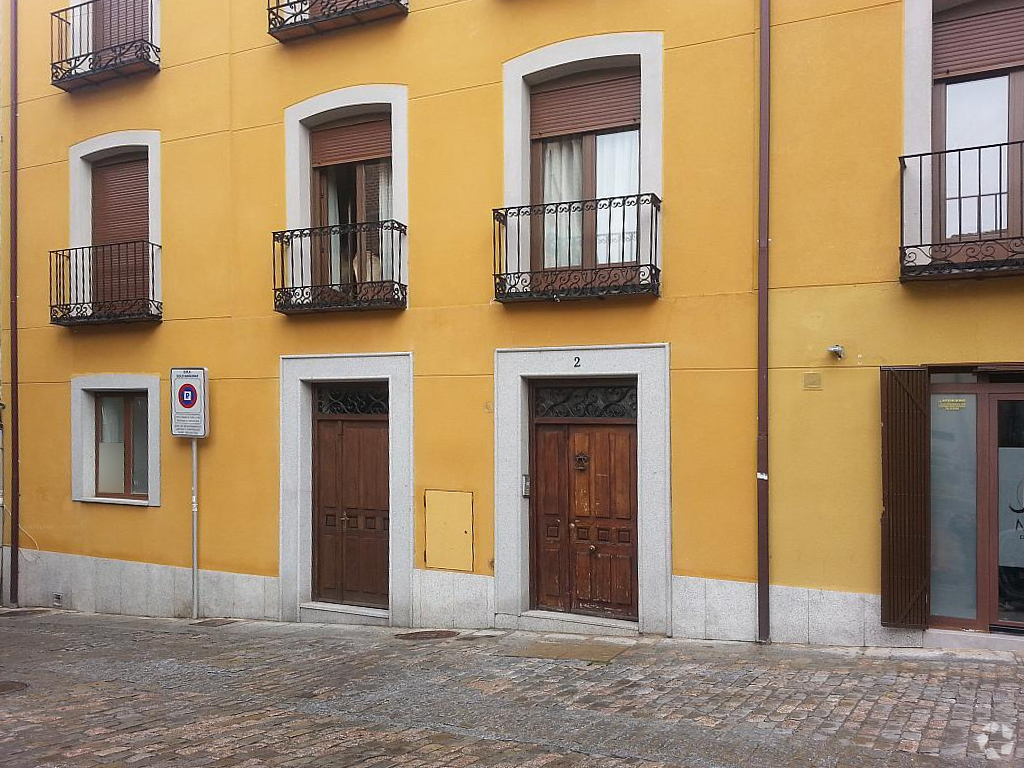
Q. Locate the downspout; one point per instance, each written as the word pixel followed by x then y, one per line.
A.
pixel 14 496
pixel 763 193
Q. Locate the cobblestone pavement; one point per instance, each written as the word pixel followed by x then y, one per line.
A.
pixel 106 690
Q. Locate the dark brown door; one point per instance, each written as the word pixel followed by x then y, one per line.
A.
pixel 584 506
pixel 350 509
pixel 120 230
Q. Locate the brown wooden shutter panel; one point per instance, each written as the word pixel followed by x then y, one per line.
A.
pixel 905 497
pixel 582 103
pixel 120 201
pixel 118 22
pixel 120 214
pixel 351 143
pixel 975 44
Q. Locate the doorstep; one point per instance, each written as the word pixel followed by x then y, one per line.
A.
pixel 978 641
pixel 568 623
pixel 335 613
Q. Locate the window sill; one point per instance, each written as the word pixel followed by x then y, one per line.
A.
pixel 107 500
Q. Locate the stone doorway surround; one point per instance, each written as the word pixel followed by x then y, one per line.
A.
pixel 299 373
pixel 514 370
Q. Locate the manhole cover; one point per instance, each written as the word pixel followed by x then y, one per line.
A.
pixel 14 612
pixel 428 634
pixel 214 622
pixel 11 686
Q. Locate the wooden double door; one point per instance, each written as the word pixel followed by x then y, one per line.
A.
pixel 351 495
pixel 584 502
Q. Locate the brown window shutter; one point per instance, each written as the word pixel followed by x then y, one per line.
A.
pixel 593 101
pixel 118 22
pixel 979 43
pixel 351 142
pixel 120 214
pixel 120 201
pixel 905 498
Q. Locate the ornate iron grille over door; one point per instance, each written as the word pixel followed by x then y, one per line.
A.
pixel 586 401
pixel 352 399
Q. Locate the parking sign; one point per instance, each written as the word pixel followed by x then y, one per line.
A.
pixel 190 412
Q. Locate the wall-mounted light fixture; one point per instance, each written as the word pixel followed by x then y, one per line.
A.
pixel 838 351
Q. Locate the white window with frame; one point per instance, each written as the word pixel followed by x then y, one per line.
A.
pixel 115 439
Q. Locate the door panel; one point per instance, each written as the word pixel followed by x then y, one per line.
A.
pixel 584 519
pixel 551 505
pixel 603 512
pixel 352 511
pixel 1009 517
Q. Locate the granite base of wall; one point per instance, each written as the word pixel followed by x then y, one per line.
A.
pixel 101 585
pixel 715 609
pixel 446 599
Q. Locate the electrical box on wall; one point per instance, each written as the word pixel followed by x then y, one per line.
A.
pixel 449 529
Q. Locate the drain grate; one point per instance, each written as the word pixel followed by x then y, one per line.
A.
pixel 214 622
pixel 12 686
pixel 15 612
pixel 428 634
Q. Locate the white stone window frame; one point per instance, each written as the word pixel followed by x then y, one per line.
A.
pixel 514 370
pixel 84 390
pixel 643 49
pixel 918 88
pixel 300 119
pixel 299 375
pixel 81 158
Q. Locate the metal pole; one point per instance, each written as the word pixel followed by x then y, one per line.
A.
pixel 195 529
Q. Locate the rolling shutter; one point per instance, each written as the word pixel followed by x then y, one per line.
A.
pixel 351 143
pixel 593 101
pixel 120 222
pixel 905 498
pixel 981 43
pixel 119 22
pixel 120 201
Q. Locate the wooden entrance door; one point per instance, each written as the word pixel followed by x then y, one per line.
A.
pixel 584 505
pixel 351 498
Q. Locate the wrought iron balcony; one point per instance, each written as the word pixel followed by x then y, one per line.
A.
pixel 292 19
pixel 341 267
pixel 963 213
pixel 116 283
pixel 579 249
pixel 99 40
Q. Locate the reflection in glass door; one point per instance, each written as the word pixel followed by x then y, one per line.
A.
pixel 1010 512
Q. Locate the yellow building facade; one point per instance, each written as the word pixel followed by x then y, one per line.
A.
pixel 482 416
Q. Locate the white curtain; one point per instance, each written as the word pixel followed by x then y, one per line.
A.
pixel 563 182
pixel 334 220
pixel 618 175
pixel 385 213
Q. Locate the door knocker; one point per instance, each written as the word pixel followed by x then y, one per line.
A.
pixel 582 461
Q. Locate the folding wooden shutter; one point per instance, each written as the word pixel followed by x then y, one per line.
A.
pixel 120 201
pixel 118 22
pixel 979 43
pixel 351 142
pixel 593 101
pixel 905 497
pixel 120 215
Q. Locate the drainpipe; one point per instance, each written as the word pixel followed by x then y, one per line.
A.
pixel 15 491
pixel 763 192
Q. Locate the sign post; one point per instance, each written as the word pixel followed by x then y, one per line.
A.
pixel 190 417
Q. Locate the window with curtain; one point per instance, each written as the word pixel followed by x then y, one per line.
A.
pixel 585 168
pixel 352 194
pixel 122 445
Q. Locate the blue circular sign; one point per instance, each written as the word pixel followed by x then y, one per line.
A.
pixel 187 396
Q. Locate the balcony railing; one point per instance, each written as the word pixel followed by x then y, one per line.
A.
pixel 963 212
pixel 116 283
pixel 579 249
pixel 291 19
pixel 341 267
pixel 100 40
